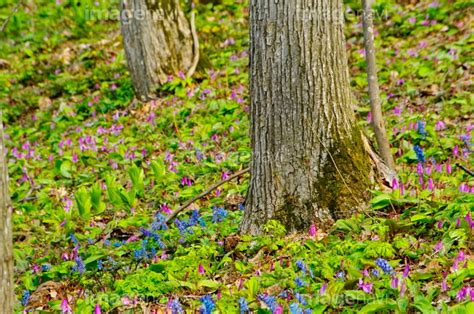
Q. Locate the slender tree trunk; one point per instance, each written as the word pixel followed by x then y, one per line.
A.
pixel 309 163
pixel 6 245
pixel 374 93
pixel 158 42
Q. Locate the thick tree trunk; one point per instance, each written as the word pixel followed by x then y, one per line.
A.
pixel 6 246
pixel 158 42
pixel 309 163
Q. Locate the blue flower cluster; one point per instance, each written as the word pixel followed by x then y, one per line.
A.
pixel 80 266
pixel 159 223
pixel 301 266
pixel 143 252
pixel 208 304
pixel 184 226
pixel 269 301
pixel 419 153
pixel 300 283
pixel 375 272
pixel 421 128
pixel 243 306
pixel 384 265
pixel 301 299
pixel 175 307
pixel 219 214
pixel 296 309
pixel 99 264
pixel 25 297
pixel 74 239
pixel 154 236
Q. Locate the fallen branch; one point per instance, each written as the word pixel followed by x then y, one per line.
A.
pixel 469 172
pixel 212 188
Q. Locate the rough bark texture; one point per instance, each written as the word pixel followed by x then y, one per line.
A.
pixel 374 92
pixel 158 42
pixel 309 163
pixel 6 249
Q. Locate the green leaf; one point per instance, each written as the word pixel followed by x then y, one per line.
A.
pixel 379 306
pixel 357 295
pixel 380 201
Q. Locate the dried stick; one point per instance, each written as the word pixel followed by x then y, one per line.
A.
pixel 374 93
pixel 212 188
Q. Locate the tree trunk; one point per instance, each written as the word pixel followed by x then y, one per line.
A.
pixel 309 164
pixel 158 42
pixel 6 245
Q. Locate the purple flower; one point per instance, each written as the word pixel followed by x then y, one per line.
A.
pixel 323 288
pixel 406 271
pixel 439 246
pixel 365 286
pixel 97 309
pixel 65 307
pixel 394 282
pixel 312 230
pixel 201 269
pixel 463 292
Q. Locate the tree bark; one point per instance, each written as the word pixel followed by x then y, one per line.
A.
pixel 374 92
pixel 309 164
pixel 158 42
pixel 6 245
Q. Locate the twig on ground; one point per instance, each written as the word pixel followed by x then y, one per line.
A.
pixel 469 172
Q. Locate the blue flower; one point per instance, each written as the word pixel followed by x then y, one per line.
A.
pixel 341 275
pixel 375 272
pixel 299 282
pixel 99 264
pixel 300 299
pixel 207 304
pixel 295 308
pixel 384 265
pixel 419 153
pixel 219 214
pixel 421 128
pixel 74 239
pixel 181 225
pixel 112 262
pixel 25 297
pixel 159 223
pixel 45 267
pixel 175 307
pixel 80 266
pixel 269 301
pixel 243 306
pixel 301 266
pixel 199 154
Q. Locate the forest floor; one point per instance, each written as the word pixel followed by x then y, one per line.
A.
pixel 94 172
